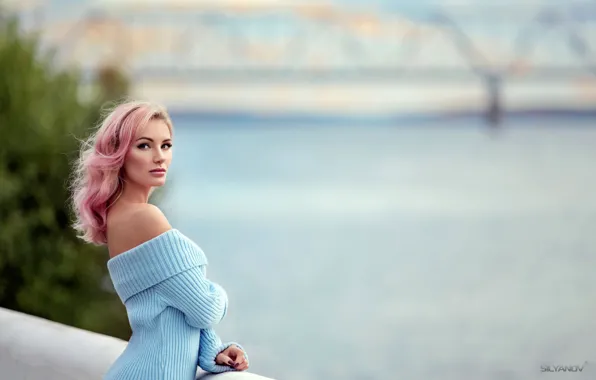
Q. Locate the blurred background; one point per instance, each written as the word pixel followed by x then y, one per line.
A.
pixel 385 189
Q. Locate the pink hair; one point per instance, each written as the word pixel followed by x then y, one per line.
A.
pixel 97 181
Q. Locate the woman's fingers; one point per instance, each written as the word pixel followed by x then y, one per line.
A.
pixel 223 359
pixel 240 362
pixel 243 365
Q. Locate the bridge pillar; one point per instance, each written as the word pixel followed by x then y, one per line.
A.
pixel 494 112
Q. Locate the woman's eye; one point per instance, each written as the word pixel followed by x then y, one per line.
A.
pixel 145 145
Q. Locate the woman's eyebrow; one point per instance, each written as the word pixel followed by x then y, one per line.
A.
pixel 150 139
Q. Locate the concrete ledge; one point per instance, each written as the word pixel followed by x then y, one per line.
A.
pixel 35 348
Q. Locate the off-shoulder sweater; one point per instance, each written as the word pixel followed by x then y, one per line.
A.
pixel 171 307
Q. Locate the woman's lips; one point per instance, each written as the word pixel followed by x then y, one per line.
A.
pixel 158 172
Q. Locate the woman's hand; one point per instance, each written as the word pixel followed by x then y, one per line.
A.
pixel 234 357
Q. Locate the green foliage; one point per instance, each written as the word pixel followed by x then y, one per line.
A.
pixel 44 269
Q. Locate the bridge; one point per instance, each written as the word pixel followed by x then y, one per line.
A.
pixel 264 41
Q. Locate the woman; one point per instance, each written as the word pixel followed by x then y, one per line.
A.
pixel 158 273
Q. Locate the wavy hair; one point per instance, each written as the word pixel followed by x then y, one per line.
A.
pixel 97 176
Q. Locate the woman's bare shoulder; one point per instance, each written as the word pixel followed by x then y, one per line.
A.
pixel 133 225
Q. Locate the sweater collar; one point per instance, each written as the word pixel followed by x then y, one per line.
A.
pixel 152 262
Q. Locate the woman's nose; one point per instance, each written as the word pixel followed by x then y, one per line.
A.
pixel 159 157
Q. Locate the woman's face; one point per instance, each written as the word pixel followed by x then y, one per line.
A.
pixel 150 155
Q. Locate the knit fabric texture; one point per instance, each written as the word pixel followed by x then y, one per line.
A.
pixel 172 308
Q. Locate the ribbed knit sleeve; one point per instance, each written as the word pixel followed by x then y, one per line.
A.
pixel 174 266
pixel 204 303
pixel 209 347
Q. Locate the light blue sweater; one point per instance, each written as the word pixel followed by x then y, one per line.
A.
pixel 171 307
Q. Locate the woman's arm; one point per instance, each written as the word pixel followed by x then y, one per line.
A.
pixel 209 347
pixel 203 302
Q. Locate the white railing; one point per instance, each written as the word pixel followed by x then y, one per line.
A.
pixel 35 348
